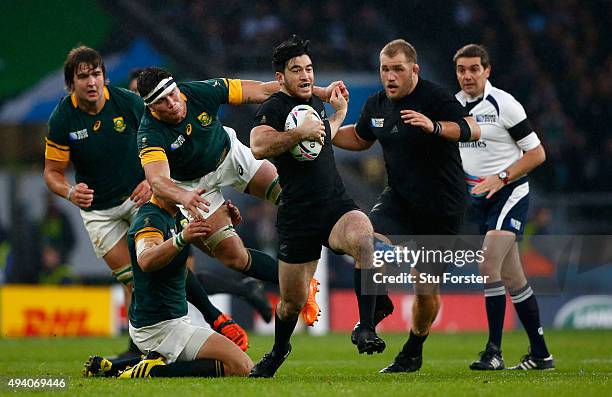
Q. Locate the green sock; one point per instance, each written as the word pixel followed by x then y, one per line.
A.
pixel 261 266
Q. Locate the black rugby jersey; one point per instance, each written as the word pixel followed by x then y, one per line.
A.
pixel 425 170
pixel 303 182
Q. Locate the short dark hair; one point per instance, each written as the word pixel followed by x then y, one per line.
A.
pixel 473 51
pixel 293 47
pixel 77 56
pixel 149 78
pixel 393 47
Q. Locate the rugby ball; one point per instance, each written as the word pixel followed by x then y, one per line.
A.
pixel 305 150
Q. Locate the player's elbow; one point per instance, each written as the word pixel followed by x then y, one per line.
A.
pixel 145 264
pixel 540 155
pixel 257 147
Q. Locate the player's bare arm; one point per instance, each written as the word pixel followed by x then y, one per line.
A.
pixel 530 160
pixel 267 142
pixel 158 176
pixel 141 193
pixel 55 178
pixel 449 130
pixel 153 253
pixel 257 92
pixel 340 105
pixel 346 138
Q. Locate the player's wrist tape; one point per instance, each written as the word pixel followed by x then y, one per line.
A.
pixel 437 131
pixel 179 242
pixel 465 132
pixel 70 191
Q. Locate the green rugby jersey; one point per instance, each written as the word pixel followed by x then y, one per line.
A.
pixel 158 295
pixel 197 145
pixel 102 147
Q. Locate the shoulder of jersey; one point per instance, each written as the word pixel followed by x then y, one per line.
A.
pixel 502 96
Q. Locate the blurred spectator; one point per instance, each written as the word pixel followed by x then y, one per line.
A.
pixel 57 241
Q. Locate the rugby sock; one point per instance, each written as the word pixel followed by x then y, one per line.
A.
pixel 495 303
pixel 132 348
pixel 526 306
pixel 214 284
pixel 119 364
pixel 197 368
pixel 283 329
pixel 414 345
pixel 365 301
pixel 199 298
pixel 261 266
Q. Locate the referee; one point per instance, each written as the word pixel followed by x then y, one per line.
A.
pixel 418 124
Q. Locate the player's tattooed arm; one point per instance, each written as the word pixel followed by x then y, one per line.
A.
pixel 267 142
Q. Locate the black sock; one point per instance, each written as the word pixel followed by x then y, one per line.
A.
pixel 120 364
pixel 213 284
pixel 414 345
pixel 495 302
pixel 282 333
pixel 262 266
pixel 526 306
pixel 366 295
pixel 199 298
pixel 201 368
pixel 132 348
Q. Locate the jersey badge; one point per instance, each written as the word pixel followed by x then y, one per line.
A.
pixel 97 125
pixel 78 135
pixel 119 124
pixel 377 123
pixel 205 119
pixel 178 143
pixel 486 118
pixel 394 130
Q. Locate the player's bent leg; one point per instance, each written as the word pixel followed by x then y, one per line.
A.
pixel 353 234
pixel 119 261
pixel 235 361
pixel 294 280
pixel 265 184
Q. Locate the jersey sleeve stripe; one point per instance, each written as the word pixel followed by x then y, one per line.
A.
pixel 235 91
pixel 520 130
pixel 56 152
pixel 148 232
pixel 493 102
pixel 151 155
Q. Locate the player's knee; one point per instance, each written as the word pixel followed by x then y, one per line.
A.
pixel 292 306
pixel 490 267
pixel 239 367
pixel 234 256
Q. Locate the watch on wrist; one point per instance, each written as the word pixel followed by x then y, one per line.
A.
pixel 504 177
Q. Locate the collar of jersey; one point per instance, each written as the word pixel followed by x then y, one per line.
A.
pixel 155 114
pixel 74 100
pixel 463 97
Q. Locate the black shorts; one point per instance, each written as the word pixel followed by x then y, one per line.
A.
pixel 395 218
pixel 303 229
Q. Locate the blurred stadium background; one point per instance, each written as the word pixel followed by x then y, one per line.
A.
pixel 554 57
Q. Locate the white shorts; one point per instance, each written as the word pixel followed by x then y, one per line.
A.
pixel 107 227
pixel 236 170
pixel 178 339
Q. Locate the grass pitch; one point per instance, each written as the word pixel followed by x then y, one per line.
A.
pixel 330 366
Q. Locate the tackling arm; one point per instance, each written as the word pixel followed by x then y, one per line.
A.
pixel 347 138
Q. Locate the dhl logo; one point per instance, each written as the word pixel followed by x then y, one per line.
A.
pixel 39 322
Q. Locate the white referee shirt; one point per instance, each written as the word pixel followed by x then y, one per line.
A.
pixel 505 132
